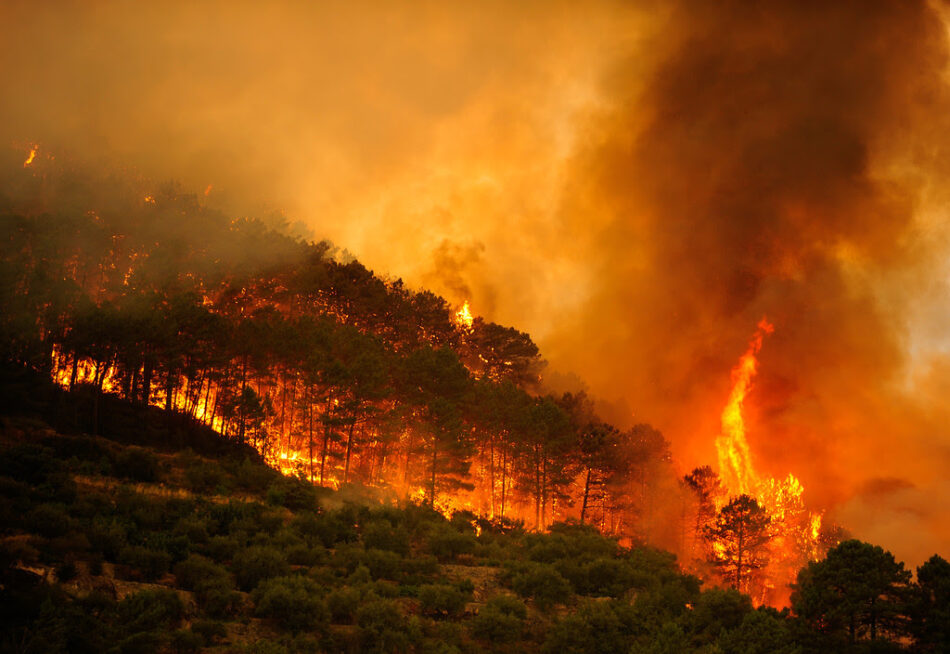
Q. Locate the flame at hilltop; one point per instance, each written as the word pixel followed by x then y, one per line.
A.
pixel 795 531
pixel 735 460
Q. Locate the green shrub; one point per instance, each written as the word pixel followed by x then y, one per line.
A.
pixel 441 600
pixel 255 564
pixel 381 535
pixel 221 548
pixel 192 528
pixel 501 620
pixel 381 627
pixel 607 577
pixel 137 464
pixel 217 597
pixel 209 631
pixel 146 642
pixel 152 564
pixel 544 584
pixel 197 569
pixel 50 520
pixel 292 602
pixel 342 604
pixel 150 609
pixel 106 537
pixel 382 564
pixel 202 477
pixel 446 543
pixel 596 627
pixel 291 493
pixel 184 641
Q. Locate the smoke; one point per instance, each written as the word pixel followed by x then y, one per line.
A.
pixel 635 185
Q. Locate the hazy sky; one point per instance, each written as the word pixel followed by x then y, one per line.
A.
pixel 634 184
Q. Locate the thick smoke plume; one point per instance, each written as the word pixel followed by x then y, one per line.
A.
pixel 636 185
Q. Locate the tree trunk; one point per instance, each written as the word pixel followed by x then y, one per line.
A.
pixel 586 495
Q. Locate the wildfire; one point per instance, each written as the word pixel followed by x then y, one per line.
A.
pixel 795 530
pixel 149 199
pixel 31 156
pixel 463 317
pixel 735 460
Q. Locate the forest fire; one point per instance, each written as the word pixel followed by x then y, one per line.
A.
pixel 790 534
pixel 463 317
pixel 31 156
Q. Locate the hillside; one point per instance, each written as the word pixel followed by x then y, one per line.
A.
pixel 115 546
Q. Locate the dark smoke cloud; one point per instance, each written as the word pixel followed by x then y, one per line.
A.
pixel 774 164
pixel 635 184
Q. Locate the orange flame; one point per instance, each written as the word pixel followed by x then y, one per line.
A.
pixel 795 530
pixel 463 317
pixel 31 157
pixel 735 459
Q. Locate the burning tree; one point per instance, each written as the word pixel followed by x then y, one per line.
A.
pixel 740 537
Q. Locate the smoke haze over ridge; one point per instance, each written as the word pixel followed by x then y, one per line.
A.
pixel 635 185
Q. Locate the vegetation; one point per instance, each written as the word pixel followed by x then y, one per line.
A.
pixel 159 363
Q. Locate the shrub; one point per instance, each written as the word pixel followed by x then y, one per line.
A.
pixel 106 537
pixel 192 528
pixel 447 544
pixel 291 493
pixel 221 548
pixel 209 631
pixel 50 520
pixel 381 627
pixel 381 535
pixel 196 569
pixel 150 609
pixel 184 642
pixel 501 620
pixel 202 477
pixel 152 564
pixel 255 564
pixel 382 564
pixel 342 604
pixel 544 584
pixel 292 602
pixel 597 627
pixel 441 600
pixel 610 577
pixel 137 464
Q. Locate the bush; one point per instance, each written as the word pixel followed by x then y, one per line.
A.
pixel 441 600
pixel 209 631
pixel 381 627
pixel 447 544
pixel 496 623
pixel 221 548
pixel 50 520
pixel 201 477
pixel 292 602
pixel 137 464
pixel 342 604
pixel 185 642
pixel 597 627
pixel 192 528
pixel 607 577
pixel 255 564
pixel 150 609
pixel 194 570
pixel 544 584
pixel 292 493
pixel 381 535
pixel 152 564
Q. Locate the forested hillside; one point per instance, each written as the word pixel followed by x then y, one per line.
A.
pixel 327 369
pixel 218 435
